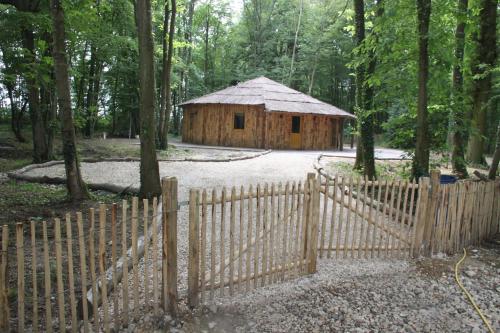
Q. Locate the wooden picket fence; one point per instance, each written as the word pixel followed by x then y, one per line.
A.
pixel 246 239
pixel 83 273
pixel 78 276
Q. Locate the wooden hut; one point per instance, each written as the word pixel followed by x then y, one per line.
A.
pixel 262 113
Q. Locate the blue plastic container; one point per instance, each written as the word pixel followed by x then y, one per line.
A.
pixel 447 179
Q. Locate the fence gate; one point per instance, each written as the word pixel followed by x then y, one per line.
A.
pixel 361 218
pixel 252 237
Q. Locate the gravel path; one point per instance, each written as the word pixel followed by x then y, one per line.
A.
pixel 273 167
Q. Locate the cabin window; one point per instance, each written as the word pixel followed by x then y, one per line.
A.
pixel 295 124
pixel 239 121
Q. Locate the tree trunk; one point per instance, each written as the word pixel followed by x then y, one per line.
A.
pixel 367 122
pixel 166 100
pixel 206 60
pixel 16 113
pixel 150 175
pixel 40 151
pixel 482 64
pixel 496 157
pixel 422 150
pixel 458 117
pixel 188 36
pixel 74 183
pixel 359 26
pixel 295 42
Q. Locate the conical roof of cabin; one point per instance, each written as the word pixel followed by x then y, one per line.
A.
pixel 275 97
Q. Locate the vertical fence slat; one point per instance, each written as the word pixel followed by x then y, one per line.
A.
pixel 257 235
pixel 240 236
pixel 323 222
pixel 212 243
pixel 354 231
pixel 377 223
pixel 395 229
pixel 290 251
pixel 20 276
pixel 284 255
pixel 265 234
pixel 334 216
pixel 125 302
pixel 155 255
pixel 47 279
pixel 194 258
pixel 102 265
pixel 114 208
pixel 4 302
pixel 271 233
pixel 145 217
pixel 33 275
pixel 222 245
pixel 348 221
pixel 59 280
pixel 390 220
pixel 370 218
pixel 298 230
pixel 410 227
pixel 203 245
pixel 279 223
pixel 249 238
pixel 341 218
pixel 232 219
pixel 305 226
pixel 83 271
pixel 403 240
pixel 384 218
pixel 71 279
pixel 135 264
pixel 93 276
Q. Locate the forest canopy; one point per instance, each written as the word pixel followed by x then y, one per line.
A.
pixel 312 46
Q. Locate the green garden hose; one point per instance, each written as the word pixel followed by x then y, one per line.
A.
pixel 469 296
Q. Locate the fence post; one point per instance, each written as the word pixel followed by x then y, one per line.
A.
pixel 423 199
pixel 4 301
pixel 194 251
pixel 169 244
pixel 314 206
pixel 430 221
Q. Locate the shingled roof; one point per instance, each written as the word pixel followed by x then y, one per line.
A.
pixel 274 96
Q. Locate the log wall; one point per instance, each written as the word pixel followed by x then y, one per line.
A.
pixel 214 125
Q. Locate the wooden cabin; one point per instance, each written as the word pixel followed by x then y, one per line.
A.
pixel 262 113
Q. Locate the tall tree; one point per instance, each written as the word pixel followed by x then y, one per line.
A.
pixel 295 42
pixel 149 170
pixel 422 148
pixel 76 187
pixel 365 158
pixel 483 61
pixel 166 98
pixel 359 32
pixel 458 121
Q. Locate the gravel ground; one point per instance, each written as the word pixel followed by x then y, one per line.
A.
pixel 365 296
pixel 273 167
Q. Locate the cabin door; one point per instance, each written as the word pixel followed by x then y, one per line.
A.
pixel 295 138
